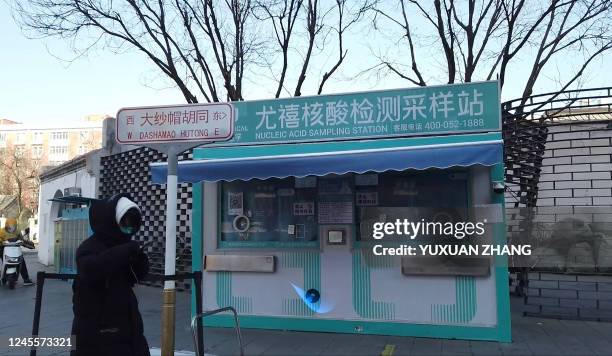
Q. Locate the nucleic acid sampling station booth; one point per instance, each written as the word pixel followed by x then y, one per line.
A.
pixel 284 213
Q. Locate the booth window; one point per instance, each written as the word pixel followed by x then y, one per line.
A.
pixel 431 195
pixel 268 213
pixel 293 212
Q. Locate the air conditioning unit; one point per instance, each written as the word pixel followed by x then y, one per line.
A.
pixel 72 192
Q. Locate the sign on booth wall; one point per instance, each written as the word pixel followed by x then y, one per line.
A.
pixel 177 123
pixel 458 108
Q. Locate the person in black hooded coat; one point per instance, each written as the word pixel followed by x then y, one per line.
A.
pixel 106 317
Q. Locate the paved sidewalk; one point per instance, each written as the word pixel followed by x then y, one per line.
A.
pixel 531 336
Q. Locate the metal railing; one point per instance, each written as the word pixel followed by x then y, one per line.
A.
pixel 198 319
pixel 195 276
pixel 560 104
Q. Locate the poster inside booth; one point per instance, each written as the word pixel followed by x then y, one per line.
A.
pixel 326 227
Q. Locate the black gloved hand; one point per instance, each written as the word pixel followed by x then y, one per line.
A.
pixel 140 265
pixel 133 248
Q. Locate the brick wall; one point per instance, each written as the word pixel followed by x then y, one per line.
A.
pixel 576 166
pixel 576 169
pixel 575 183
pixel 569 296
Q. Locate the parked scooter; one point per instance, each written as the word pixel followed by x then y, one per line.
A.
pixel 11 261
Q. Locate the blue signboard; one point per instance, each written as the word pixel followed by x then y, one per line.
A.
pixel 433 110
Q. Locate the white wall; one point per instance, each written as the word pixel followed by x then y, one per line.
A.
pixel 47 211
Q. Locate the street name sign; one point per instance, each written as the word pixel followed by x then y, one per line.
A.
pixel 175 124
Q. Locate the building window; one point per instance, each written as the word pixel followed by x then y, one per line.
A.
pixel 82 149
pixel 37 151
pixel 84 135
pixel 58 154
pixel 59 136
pixel 19 150
pixel 58 150
pixel 2 139
pixel 37 137
pixel 21 138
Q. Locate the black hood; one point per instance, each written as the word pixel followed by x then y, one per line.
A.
pixel 103 223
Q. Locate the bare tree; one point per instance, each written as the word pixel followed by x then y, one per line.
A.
pixel 19 177
pixel 314 22
pixel 206 48
pixel 283 15
pixel 211 49
pixel 344 23
pixel 481 39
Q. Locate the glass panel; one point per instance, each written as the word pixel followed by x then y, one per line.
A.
pixel 288 212
pixel 430 195
pixel 272 211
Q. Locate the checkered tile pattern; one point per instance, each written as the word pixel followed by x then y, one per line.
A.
pixel 128 172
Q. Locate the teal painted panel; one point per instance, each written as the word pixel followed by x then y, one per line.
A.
pixel 75 213
pixel 501 265
pixel 310 262
pixel 226 298
pixel 78 214
pixel 75 228
pixel 457 108
pixel 464 308
pixel 360 327
pixel 363 304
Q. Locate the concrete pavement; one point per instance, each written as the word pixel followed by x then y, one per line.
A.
pixel 531 336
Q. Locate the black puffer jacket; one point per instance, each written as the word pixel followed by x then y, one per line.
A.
pixel 106 317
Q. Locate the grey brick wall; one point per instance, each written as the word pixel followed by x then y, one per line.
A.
pixel 575 182
pixel 576 170
pixel 567 296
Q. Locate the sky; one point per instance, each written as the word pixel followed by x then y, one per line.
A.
pixel 39 84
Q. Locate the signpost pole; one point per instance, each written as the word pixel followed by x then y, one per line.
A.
pixel 169 294
pixel 173 129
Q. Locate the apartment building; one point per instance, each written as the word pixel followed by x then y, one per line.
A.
pixel 53 143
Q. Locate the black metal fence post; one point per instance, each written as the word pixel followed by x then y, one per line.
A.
pixel 40 281
pixel 197 279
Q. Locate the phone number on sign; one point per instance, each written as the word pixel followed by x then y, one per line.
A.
pixel 39 342
pixel 454 124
